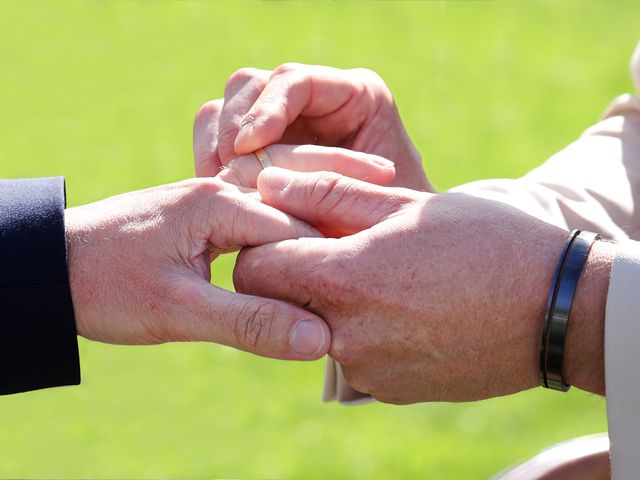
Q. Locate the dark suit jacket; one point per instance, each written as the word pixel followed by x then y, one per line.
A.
pixel 38 343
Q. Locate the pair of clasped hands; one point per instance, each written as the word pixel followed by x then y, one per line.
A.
pixel 344 250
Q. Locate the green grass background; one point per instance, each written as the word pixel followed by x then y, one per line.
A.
pixel 104 92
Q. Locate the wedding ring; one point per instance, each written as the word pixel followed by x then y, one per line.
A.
pixel 263 158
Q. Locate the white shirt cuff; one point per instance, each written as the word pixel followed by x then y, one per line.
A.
pixel 622 361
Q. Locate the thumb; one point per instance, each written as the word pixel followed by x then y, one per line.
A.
pixel 329 201
pixel 271 328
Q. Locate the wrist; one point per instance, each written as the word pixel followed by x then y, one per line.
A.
pixel 72 233
pixel 584 348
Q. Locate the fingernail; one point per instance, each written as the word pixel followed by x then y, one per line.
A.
pixel 383 162
pixel 277 179
pixel 307 337
pixel 244 132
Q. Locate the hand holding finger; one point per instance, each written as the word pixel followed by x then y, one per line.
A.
pixel 139 270
pixel 308 104
pixel 292 91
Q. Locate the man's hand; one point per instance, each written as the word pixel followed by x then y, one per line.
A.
pixel 431 297
pixel 139 269
pixel 305 104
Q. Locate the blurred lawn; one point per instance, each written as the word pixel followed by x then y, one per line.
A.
pixel 105 92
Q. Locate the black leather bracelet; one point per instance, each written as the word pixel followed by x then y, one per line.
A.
pixel 563 289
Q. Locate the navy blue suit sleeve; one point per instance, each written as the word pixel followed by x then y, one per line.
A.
pixel 38 340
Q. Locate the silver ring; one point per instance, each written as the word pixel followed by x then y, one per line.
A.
pixel 263 158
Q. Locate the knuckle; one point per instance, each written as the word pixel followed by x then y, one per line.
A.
pixel 252 327
pixel 346 349
pixel 194 205
pixel 209 109
pixel 242 76
pixel 334 284
pixel 331 278
pixel 236 173
pixel 294 76
pixel 395 203
pixel 371 78
pixel 250 117
pixel 326 191
pixel 335 279
pixel 287 68
pixel 369 75
pixel 372 85
pixel 199 189
pixel 340 350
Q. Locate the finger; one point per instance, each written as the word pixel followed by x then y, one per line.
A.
pixel 242 90
pixel 232 183
pixel 205 139
pixel 244 170
pixel 232 219
pixel 263 326
pixel 294 90
pixel 283 270
pixel 329 200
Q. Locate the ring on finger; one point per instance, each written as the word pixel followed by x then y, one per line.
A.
pixel 263 158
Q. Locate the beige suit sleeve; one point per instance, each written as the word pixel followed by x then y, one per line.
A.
pixel 594 183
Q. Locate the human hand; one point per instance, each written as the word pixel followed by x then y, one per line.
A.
pixel 243 170
pixel 305 104
pixel 430 297
pixel 139 271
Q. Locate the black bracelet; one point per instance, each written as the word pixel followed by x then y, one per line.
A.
pixel 563 289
